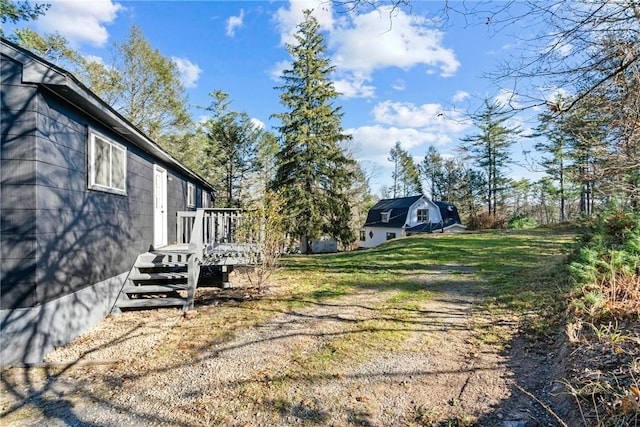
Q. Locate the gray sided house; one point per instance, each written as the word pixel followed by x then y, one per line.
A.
pixel 393 218
pixel 83 193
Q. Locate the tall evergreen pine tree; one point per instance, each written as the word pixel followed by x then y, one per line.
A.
pixel 314 174
pixel 490 148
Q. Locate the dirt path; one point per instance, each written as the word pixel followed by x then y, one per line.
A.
pixel 359 359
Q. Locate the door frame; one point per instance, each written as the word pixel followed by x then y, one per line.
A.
pixel 160 215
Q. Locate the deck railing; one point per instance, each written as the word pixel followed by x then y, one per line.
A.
pixel 209 226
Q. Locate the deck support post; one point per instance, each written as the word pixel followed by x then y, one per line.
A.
pixel 193 271
pixel 226 270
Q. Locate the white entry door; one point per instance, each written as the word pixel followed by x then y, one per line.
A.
pixel 159 207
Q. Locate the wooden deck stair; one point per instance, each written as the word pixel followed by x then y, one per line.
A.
pixel 168 277
pixel 160 279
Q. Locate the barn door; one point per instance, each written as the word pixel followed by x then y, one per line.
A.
pixel 159 207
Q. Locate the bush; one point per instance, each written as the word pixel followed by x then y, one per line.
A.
pixel 607 263
pixel 521 221
pixel 484 221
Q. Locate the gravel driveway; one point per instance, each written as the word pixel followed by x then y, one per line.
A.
pixel 282 370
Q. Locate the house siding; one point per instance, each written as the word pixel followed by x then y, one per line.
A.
pixel 434 212
pixel 17 188
pixel 65 248
pixel 379 235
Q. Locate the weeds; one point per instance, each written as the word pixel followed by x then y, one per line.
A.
pixel 605 269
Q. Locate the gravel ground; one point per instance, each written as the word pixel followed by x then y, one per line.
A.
pixel 437 373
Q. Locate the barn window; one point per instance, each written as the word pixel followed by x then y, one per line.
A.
pixel 191 195
pixel 423 215
pixel 391 236
pixel 385 216
pixel 107 164
pixel 363 235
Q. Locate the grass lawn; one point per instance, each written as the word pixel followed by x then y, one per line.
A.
pixel 516 270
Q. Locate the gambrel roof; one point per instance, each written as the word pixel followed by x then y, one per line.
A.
pixel 396 208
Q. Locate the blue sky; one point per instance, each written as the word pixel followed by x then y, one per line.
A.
pixel 408 75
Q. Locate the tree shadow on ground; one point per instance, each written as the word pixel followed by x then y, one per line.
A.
pixel 461 283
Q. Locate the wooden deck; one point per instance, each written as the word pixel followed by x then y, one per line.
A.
pixel 168 275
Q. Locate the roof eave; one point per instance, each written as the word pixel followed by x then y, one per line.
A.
pixel 64 84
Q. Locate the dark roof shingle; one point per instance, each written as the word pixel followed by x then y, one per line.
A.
pixel 398 207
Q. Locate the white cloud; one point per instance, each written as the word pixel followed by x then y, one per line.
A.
pixel 362 44
pixel 426 116
pixel 460 95
pixel 235 22
pixel 94 58
pixel 399 85
pixel 374 41
pixel 288 19
pixel 258 124
pixel 507 98
pixel 277 70
pixel 189 72
pixel 416 127
pixel 373 143
pixel 79 21
pixel 355 87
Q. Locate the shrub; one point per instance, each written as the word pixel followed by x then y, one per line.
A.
pixel 607 263
pixel 519 221
pixel 484 221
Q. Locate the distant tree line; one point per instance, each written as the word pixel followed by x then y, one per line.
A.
pixel 587 137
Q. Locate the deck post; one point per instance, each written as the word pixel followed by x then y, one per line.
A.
pixel 226 271
pixel 196 244
pixel 193 271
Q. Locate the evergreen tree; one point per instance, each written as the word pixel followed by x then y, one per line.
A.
pixel 556 149
pixel 431 169
pixel 395 157
pixel 232 144
pixel 585 127
pixel 314 173
pixel 411 182
pixel 452 180
pixel 489 148
pixel 265 161
pixel 406 175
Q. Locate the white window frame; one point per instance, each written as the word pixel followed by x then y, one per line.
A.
pixel 422 215
pixel 191 195
pixel 109 187
pixel 384 216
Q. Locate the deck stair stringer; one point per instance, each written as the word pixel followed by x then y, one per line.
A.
pixel 160 279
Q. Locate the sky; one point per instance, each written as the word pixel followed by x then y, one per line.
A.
pixel 410 75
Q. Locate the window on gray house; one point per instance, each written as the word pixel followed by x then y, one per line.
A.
pixel 107 164
pixel 191 195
